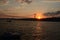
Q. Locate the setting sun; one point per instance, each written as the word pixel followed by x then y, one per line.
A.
pixel 38 17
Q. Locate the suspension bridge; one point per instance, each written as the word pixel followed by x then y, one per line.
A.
pixel 32 15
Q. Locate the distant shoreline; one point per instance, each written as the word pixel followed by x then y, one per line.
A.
pixel 54 19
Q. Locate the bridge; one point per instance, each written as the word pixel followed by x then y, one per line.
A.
pixel 32 15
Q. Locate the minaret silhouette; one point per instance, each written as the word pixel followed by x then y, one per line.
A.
pixel 35 15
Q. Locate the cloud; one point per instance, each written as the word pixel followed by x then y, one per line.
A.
pixel 3 2
pixel 50 0
pixel 52 13
pixel 24 1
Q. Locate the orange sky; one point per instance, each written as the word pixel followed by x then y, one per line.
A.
pixel 27 8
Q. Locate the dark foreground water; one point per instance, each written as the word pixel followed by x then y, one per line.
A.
pixel 29 30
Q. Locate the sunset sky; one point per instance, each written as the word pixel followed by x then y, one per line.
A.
pixel 26 8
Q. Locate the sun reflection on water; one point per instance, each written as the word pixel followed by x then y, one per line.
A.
pixel 37 32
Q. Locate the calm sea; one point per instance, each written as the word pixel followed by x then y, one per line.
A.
pixel 31 30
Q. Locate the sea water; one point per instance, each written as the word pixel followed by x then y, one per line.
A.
pixel 31 30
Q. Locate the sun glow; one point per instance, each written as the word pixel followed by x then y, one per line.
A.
pixel 38 17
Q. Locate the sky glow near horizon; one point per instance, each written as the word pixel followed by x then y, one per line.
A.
pixel 16 8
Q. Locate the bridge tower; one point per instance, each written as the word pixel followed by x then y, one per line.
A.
pixel 35 15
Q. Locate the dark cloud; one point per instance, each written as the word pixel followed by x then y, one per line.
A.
pixel 51 0
pixel 2 2
pixel 26 1
pixel 52 13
